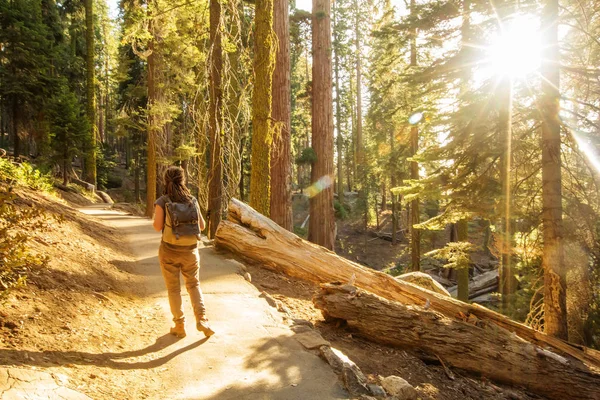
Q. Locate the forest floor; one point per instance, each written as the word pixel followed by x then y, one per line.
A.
pixel 94 324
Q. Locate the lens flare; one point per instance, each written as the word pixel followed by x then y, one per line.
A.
pixel 323 183
pixel 415 118
pixel 587 149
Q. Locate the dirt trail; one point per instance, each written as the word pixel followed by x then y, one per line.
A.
pixel 253 355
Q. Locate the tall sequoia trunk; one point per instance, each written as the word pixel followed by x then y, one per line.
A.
pixel 415 234
pixel 338 107
pixel 322 223
pixel 90 153
pixel 555 309
pixel 152 128
pixel 281 165
pixel 262 130
pixel 360 154
pixel 215 123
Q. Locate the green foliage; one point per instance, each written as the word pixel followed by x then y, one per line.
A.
pixel 302 232
pixel 184 152
pixel 16 258
pixel 68 126
pixel 456 254
pixel 396 270
pixel 25 175
pixel 106 161
pixel 341 210
pixel 308 156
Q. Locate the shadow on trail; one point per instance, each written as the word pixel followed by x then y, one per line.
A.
pixel 107 360
pixel 146 267
pixel 287 372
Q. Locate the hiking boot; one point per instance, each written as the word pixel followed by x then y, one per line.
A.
pixel 178 330
pixel 203 327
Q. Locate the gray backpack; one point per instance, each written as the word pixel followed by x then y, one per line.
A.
pixel 185 218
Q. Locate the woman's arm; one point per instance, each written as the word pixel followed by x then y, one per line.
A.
pixel 159 218
pixel 202 222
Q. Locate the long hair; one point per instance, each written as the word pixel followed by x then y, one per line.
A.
pixel 175 186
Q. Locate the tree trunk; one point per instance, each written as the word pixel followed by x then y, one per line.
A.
pixel 468 344
pixel 338 107
pixel 462 274
pixel 321 229
pixel 15 129
pixel 555 309
pixel 415 234
pixel 505 136
pixel 383 196
pixel 393 183
pixel 136 178
pixel 251 235
pixel 215 124
pixel 152 128
pixel 360 155
pixel 90 154
pixel 262 130
pixel 281 164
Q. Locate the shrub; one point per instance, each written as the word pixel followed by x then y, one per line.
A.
pixel 16 259
pixel 24 175
pixel 341 211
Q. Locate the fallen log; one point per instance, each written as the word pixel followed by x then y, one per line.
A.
pixel 481 348
pixel 254 236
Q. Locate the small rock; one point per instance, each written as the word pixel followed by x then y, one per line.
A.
pixel 399 388
pixel 282 308
pixel 241 267
pixel 248 277
pixel 299 321
pixel 271 286
pixel 311 340
pixel 354 380
pixel 376 390
pixel 301 328
pixel 92 376
pixel 272 302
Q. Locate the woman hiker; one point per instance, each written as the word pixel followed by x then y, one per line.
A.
pixel 178 216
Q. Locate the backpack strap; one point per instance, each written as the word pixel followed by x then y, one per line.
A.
pixel 174 222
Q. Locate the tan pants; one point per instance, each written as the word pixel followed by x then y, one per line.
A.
pixel 187 262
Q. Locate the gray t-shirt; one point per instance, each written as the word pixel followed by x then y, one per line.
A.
pixel 161 201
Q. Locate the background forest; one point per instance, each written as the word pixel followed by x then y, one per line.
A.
pixel 461 137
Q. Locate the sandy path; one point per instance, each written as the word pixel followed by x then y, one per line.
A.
pixel 252 356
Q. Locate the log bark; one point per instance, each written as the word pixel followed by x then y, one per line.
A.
pixel 256 237
pixel 472 345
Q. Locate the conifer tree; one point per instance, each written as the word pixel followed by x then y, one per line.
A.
pixel 215 122
pixel 322 223
pixel 90 151
pixel 262 129
pixel 281 173
pixel 555 308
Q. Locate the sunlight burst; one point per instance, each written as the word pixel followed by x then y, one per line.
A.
pixel 516 50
